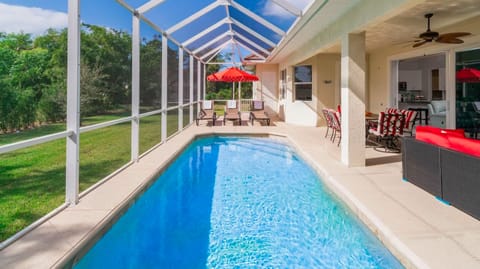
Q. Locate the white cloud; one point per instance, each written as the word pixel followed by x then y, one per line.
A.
pixel 272 9
pixel 30 20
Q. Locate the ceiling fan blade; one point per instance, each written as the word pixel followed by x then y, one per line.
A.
pixel 450 40
pixel 453 35
pixel 419 44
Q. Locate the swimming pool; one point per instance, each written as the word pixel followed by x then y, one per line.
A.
pixel 235 202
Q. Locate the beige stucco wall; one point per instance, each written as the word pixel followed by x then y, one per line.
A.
pixel 325 85
pixel 328 83
pixel 267 87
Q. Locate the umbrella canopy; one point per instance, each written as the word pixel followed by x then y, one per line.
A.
pixel 232 74
pixel 468 75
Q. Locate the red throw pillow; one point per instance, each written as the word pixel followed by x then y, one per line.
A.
pixel 437 136
pixel 465 145
pixel 430 136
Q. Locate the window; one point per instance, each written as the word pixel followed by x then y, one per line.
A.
pixel 283 83
pixel 303 82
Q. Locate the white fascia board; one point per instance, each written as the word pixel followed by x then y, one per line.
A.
pixel 209 43
pixel 220 47
pixel 193 17
pixel 204 32
pixel 257 18
pixel 149 5
pixel 254 33
pixel 260 48
pixel 288 7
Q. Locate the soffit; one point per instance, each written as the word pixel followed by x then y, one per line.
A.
pixel 400 27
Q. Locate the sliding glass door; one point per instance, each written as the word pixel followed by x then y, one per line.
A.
pixel 467 91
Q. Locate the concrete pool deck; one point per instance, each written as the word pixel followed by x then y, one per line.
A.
pixel 421 231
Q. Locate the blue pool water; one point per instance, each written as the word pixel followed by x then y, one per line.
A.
pixel 238 203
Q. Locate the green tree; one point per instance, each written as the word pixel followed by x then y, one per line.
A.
pixel 110 51
pixel 151 71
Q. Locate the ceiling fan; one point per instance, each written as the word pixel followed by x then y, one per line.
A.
pixel 429 35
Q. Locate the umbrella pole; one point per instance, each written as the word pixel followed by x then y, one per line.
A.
pixel 233 90
pixel 239 91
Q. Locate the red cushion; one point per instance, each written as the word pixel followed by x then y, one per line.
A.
pixel 465 145
pixel 437 136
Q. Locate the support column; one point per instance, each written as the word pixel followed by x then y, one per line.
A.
pixel 191 87
pixel 204 81
pixel 199 78
pixel 180 89
pixel 73 103
pixel 135 87
pixel 353 71
pixel 164 86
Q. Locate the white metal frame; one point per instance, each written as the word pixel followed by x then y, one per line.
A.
pixel 191 88
pixel 192 18
pixel 205 32
pixel 135 87
pixel 288 7
pixel 180 88
pixel 73 130
pixel 164 86
pixel 73 103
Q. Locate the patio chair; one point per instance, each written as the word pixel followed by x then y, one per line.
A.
pixel 232 112
pixel 328 120
pixel 336 125
pixel 410 116
pixel 388 130
pixel 206 112
pixel 257 112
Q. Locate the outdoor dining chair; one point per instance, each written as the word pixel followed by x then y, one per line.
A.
pixel 388 130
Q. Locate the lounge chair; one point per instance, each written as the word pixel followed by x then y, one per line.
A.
pixel 257 112
pixel 232 112
pixel 207 112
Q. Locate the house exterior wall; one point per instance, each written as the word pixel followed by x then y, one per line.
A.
pixel 325 89
pixel 267 87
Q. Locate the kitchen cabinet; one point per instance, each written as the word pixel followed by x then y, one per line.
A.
pixel 413 79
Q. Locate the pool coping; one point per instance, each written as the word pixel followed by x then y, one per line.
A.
pixel 182 140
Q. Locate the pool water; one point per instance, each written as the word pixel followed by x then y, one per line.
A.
pixel 229 202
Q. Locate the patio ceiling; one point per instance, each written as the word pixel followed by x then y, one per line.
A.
pixel 248 30
pixel 393 29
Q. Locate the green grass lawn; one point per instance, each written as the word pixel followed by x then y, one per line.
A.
pixel 32 180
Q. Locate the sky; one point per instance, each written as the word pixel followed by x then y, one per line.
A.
pixel 36 16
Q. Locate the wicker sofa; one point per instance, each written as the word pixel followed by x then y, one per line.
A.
pixel 446 164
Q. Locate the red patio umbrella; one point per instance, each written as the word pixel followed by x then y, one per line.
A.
pixel 468 75
pixel 232 74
